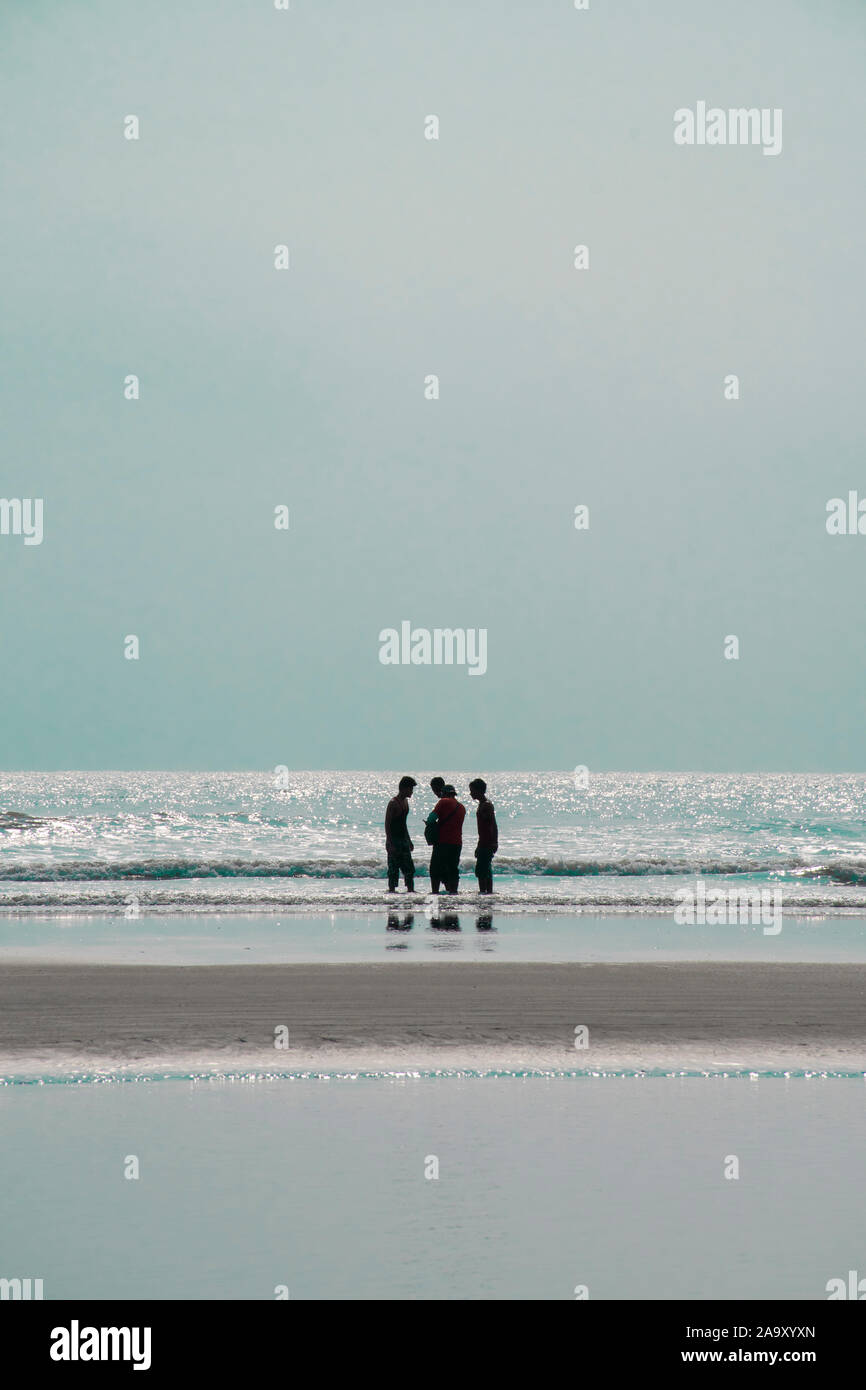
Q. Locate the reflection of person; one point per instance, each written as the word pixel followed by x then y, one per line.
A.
pixel 431 835
pixel 450 814
pixel 398 923
pixel 397 843
pixel 488 836
pixel 484 921
pixel 446 921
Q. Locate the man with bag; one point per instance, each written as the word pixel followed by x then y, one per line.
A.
pixel 449 813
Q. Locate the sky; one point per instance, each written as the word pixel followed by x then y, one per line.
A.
pixel 305 387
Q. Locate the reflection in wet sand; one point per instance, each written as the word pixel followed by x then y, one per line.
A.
pixel 446 921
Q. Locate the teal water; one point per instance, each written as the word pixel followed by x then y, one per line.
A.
pixel 427 933
pixel 314 841
pixel 543 1185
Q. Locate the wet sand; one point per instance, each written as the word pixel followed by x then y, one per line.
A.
pixel 643 1015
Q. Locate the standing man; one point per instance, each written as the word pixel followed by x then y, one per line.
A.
pixel 450 814
pixel 431 835
pixel 397 843
pixel 488 836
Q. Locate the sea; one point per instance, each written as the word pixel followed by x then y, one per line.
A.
pixel 425 1184
pixel 182 842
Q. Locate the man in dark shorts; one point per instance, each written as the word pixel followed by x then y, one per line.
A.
pixel 397 843
pixel 449 817
pixel 488 836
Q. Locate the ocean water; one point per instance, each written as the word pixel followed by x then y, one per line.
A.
pixel 321 1187
pixel 146 843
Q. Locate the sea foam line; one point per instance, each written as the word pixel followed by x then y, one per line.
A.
pixel 455 1073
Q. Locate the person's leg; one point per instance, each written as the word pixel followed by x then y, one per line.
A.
pixel 393 872
pixel 409 871
pixel 435 869
pixel 445 866
pixel 485 871
pixel 451 872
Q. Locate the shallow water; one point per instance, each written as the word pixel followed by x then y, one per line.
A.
pixel 427 933
pixel 543 1185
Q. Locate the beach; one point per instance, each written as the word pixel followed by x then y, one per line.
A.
pixel 678 1016
pixel 432 804
pixel 265 1074
pixel 399 1128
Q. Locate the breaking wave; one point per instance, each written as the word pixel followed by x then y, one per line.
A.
pixel 848 871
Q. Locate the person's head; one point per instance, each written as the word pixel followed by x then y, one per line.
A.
pixel 477 789
pixel 407 786
pixel 448 790
pixel 437 785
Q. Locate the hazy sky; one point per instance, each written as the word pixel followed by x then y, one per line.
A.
pixel 305 387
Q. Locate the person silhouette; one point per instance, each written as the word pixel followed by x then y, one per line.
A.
pixel 488 835
pixel 450 814
pixel 398 845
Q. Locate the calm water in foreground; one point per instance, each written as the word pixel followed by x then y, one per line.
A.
pixel 543 1185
